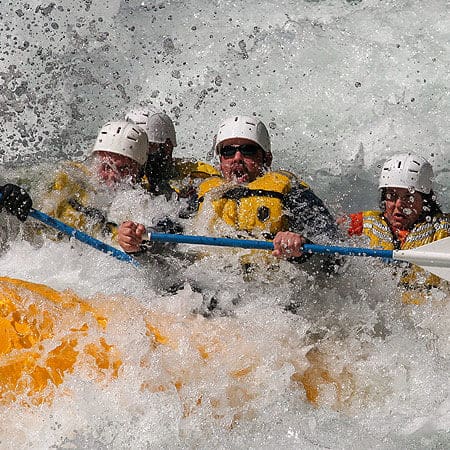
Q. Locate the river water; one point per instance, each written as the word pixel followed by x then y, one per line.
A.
pixel 341 85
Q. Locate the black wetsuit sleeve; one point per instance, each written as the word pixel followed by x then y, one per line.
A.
pixel 308 216
pixel 192 207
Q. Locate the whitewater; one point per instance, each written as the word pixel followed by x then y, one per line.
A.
pixel 341 85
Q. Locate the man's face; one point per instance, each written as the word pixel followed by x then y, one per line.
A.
pixel 402 207
pixel 241 160
pixel 113 168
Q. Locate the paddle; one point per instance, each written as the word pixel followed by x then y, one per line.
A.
pixel 82 237
pixel 434 257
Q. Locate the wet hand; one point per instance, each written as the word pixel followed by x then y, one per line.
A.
pixel 16 201
pixel 288 245
pixel 130 236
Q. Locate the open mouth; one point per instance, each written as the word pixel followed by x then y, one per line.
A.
pixel 240 175
pixel 400 218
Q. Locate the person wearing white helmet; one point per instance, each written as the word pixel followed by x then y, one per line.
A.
pixel 165 174
pixel 158 126
pixel 409 214
pixel 249 197
pixel 253 198
pixel 120 151
pixel 81 194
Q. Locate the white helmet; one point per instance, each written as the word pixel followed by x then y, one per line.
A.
pixel 409 171
pixel 123 138
pixel 245 127
pixel 158 126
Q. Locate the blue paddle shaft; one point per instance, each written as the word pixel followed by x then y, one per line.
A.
pixel 80 236
pixel 266 245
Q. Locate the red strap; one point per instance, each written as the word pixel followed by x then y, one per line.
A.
pixel 401 235
pixel 356 224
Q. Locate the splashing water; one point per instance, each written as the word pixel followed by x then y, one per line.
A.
pixel 300 360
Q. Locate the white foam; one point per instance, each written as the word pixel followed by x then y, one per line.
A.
pixel 341 86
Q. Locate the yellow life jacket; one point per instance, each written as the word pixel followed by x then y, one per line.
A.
pixel 68 197
pixel 415 280
pixel 256 206
pixel 377 229
pixel 188 174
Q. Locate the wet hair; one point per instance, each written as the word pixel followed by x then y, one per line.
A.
pixel 430 206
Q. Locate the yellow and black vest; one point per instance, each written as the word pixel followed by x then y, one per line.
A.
pixel 256 206
pixel 68 199
pixel 378 231
pixel 188 174
pixel 415 281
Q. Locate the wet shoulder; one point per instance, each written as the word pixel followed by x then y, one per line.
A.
pixel 191 168
pixel 295 181
pixel 72 174
pixel 441 223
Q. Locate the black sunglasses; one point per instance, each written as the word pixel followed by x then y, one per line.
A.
pixel 228 151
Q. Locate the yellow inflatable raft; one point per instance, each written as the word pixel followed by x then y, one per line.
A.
pixel 47 336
